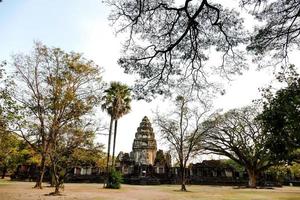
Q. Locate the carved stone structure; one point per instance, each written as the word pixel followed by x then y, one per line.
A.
pixel 144 145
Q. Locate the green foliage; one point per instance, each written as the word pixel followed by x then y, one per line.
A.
pixel 280 172
pixel 295 170
pixel 114 179
pixel 14 151
pixel 281 116
pixel 117 100
pixel 237 167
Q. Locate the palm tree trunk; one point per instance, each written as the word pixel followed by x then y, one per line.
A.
pixel 108 147
pixel 114 144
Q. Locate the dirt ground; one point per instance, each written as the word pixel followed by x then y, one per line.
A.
pixel 24 191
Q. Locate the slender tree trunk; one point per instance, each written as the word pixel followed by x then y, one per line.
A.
pixel 56 181
pixel 108 148
pixel 56 178
pixel 52 181
pixel 4 170
pixel 39 181
pixel 114 144
pixel 252 178
pixel 183 188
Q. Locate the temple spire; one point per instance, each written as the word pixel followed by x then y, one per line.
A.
pixel 144 145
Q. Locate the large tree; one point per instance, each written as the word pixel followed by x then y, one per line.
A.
pixel 170 42
pixel 237 135
pixel 181 129
pixel 277 34
pixel 281 117
pixel 54 89
pixel 117 101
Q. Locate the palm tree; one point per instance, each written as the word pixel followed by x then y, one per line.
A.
pixel 116 103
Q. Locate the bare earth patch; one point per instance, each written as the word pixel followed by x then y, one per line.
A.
pixel 23 190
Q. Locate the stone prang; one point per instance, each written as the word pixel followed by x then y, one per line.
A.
pixel 144 145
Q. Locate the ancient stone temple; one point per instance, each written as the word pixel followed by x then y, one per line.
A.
pixel 144 145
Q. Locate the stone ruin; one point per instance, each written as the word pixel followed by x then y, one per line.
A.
pixel 144 145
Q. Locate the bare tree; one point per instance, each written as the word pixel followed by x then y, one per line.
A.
pixel 182 130
pixel 239 136
pixel 169 43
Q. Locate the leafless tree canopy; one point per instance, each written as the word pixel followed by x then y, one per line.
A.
pixel 168 42
pixel 181 128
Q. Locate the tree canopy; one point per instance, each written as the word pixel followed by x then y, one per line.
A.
pixel 278 33
pixel 281 117
pixel 237 135
pixel 182 130
pixel 169 43
pixel 55 91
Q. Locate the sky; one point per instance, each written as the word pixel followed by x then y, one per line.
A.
pixel 83 26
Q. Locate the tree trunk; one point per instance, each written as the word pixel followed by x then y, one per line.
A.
pixel 4 170
pixel 56 178
pixel 114 144
pixel 39 181
pixel 52 181
pixel 108 148
pixel 252 178
pixel 183 188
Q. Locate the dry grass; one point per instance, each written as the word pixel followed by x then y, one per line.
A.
pixel 23 190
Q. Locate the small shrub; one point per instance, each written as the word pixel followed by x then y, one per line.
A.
pixel 114 179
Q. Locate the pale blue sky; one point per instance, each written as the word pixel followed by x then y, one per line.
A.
pixel 54 22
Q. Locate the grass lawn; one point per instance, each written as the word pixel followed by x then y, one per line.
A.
pixel 23 190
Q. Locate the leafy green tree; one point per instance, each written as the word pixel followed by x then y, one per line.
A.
pixel 56 91
pixel 13 152
pixel 237 135
pixel 281 116
pixel 8 151
pixel 182 130
pixel 9 142
pixel 117 101
pixel 169 42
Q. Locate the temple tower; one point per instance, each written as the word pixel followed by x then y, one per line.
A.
pixel 144 145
